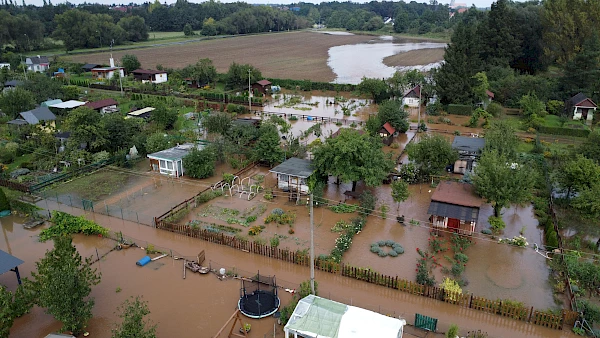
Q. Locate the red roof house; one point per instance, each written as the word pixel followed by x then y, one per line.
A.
pixel 103 106
pixel 387 133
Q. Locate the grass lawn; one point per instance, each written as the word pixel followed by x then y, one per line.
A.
pixel 17 162
pixel 93 187
pixel 152 36
pixel 525 147
pixel 514 120
pixel 552 121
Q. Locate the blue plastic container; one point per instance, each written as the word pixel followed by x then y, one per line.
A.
pixel 143 261
pixel 309 118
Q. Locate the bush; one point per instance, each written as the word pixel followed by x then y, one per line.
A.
pixel 497 224
pixel 277 211
pixel 551 239
pixel 65 224
pixel 494 109
pixel 486 231
pixel 367 203
pixel 460 109
pixel 433 109
pixel 591 312
pixel 208 195
pixel 563 131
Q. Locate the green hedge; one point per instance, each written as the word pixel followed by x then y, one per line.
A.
pixel 564 131
pixel 308 85
pixel 460 109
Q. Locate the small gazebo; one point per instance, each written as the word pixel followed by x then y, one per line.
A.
pixel 292 176
pixel 8 263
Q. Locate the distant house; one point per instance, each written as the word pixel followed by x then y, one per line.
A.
pixel 141 113
pixel 12 84
pixel 581 107
pixel 292 175
pixel 104 106
pixel 262 86
pixel 455 206
pixel 469 149
pixel 41 116
pixel 170 161
pixel 148 75
pixel 412 97
pixel 106 73
pixel 37 64
pixel 387 133
pixel 89 66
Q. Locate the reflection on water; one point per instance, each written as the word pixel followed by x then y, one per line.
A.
pixel 353 62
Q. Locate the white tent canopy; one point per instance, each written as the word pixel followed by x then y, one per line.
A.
pixel 319 317
pixel 68 104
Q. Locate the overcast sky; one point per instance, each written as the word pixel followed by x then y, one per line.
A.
pixel 478 3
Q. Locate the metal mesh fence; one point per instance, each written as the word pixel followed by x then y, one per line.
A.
pixel 129 206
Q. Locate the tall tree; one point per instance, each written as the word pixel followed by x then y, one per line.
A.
pixel 43 87
pixel 567 24
pixel 132 313
pixel 16 101
pixel 353 157
pixel 499 35
pixel 376 88
pixel 204 72
pixel 501 181
pixel 393 112
pixel 63 283
pixel 130 62
pixel 578 174
pixel 582 72
pixel 431 154
pixel 135 28
pixel 268 147
pixel 501 137
pixel 237 76
pixel 85 127
pixel 454 79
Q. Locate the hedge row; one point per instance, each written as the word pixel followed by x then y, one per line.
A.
pixel 460 109
pixel 564 131
pixel 308 85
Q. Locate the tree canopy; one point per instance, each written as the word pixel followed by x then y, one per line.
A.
pixel 353 157
pixel 578 174
pixel 63 283
pixel 200 163
pixel 501 181
pixel 393 112
pixel 130 63
pixel 132 313
pixel 16 101
pixel 268 147
pixel 501 137
pixel 431 154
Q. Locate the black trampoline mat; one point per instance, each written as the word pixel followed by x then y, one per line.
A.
pixel 259 303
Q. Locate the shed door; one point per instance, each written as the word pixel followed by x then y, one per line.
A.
pixel 453 223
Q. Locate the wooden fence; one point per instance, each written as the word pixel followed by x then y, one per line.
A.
pixel 14 185
pixel 506 309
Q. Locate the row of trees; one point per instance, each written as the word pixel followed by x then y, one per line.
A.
pixel 62 284
pixel 514 43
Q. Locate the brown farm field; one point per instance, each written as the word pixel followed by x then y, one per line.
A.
pixel 415 57
pixel 293 55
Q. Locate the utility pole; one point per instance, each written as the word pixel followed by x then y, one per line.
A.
pixel 249 93
pixel 312 246
pixel 419 120
pixel 24 67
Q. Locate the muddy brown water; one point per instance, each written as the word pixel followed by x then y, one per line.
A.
pixel 199 305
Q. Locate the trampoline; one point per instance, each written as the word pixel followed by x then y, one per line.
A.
pixel 258 297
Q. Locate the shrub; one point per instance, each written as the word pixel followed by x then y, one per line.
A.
pixel 343 208
pixel 277 211
pixel 250 218
pixel 275 241
pixel 551 239
pixel 65 224
pixel 367 203
pixel 460 109
pixel 208 195
pixel 452 331
pixel 461 257
pixel 486 231
pixel 382 253
pixel 563 131
pixel 497 224
pixel 494 109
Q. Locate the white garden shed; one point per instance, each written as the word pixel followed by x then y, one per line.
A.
pixel 323 318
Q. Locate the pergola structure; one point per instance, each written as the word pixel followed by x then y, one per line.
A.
pixel 8 263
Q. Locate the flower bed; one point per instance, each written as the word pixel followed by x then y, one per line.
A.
pixel 396 249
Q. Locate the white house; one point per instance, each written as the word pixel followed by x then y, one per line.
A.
pixel 323 318
pixel 106 73
pixel 292 175
pixel 170 161
pixel 412 98
pixel 582 107
pixel 147 75
pixel 38 64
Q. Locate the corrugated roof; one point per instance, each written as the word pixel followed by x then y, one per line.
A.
pixel 470 144
pixel 145 112
pixel 8 262
pixel 102 103
pixel 50 102
pixel 456 193
pixel 294 167
pixel 175 153
pixel 264 82
pixel 68 104
pixel 37 115
pixel 468 214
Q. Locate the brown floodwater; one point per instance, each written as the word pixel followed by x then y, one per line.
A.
pixel 200 304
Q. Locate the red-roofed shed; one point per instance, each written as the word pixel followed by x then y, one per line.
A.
pixel 103 106
pixel 387 133
pixel 262 86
